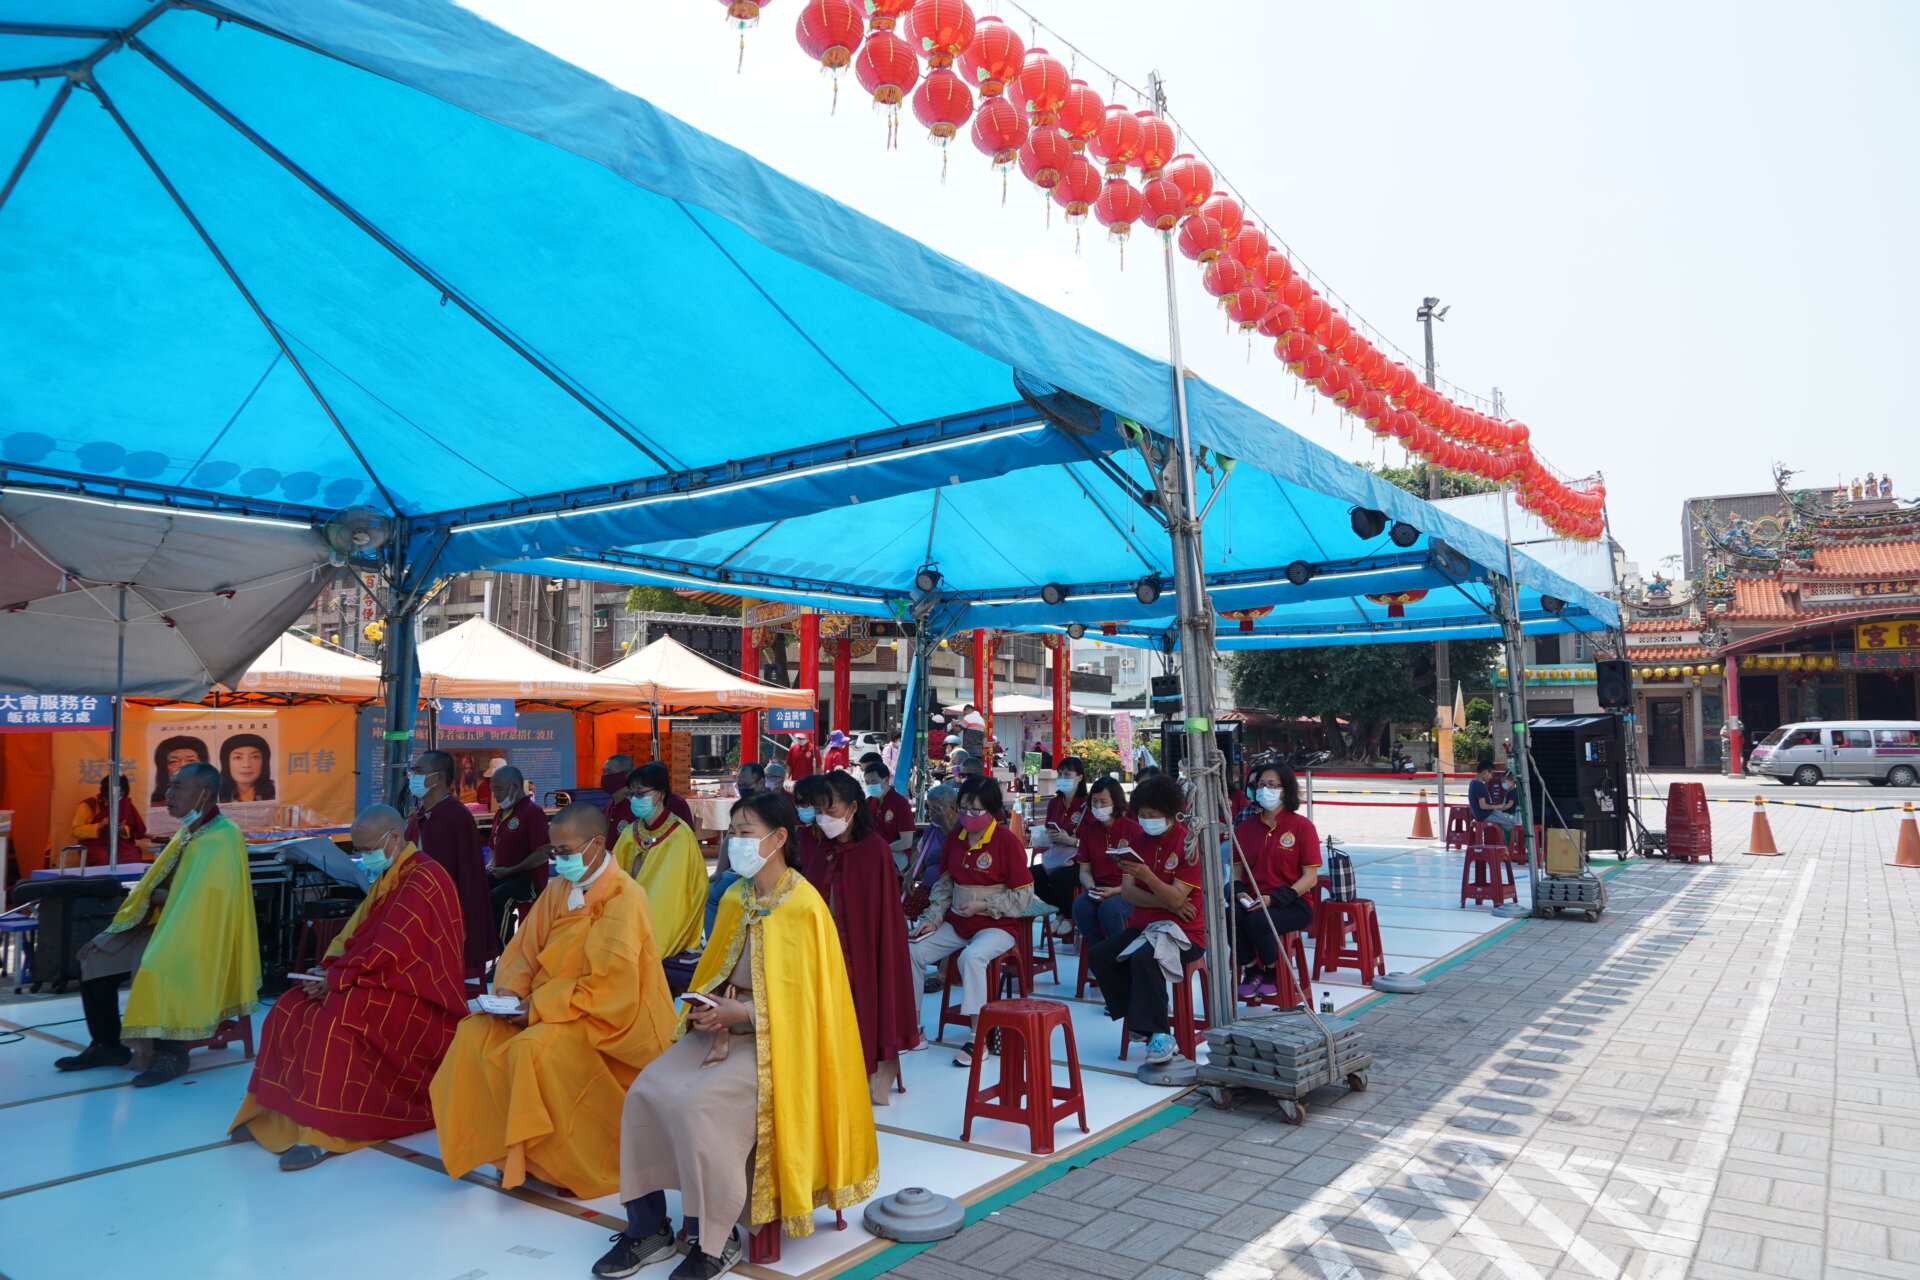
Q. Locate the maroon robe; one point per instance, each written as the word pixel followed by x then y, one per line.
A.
pixel 356 1065
pixel 863 891
pixel 448 834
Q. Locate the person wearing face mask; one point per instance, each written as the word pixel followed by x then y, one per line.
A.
pixel 810 847
pixel 187 935
pixel 663 855
pixel 443 829
pixel 855 874
pixel 1282 850
pixel 923 870
pixel 749 778
pixel 1167 930
pixel 535 1090
pixel 892 814
pixel 518 843
pixel 802 757
pixel 1058 839
pixel 776 776
pixel 985 888
pixel 345 1061
pixel 835 756
pixel 1100 911
pixel 759 1112
pixel 613 780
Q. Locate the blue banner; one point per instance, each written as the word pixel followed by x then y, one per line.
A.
pixel 789 720
pixel 540 746
pixel 477 713
pixel 39 712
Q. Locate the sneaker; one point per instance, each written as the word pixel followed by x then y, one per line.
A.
pixel 704 1266
pixel 932 984
pixel 964 1058
pixel 629 1255
pixel 166 1066
pixel 95 1055
pixel 302 1156
pixel 1250 989
pixel 924 1045
pixel 1266 986
pixel 1160 1049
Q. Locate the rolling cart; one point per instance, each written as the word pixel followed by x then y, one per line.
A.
pixel 1287 1054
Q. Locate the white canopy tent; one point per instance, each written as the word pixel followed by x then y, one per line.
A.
pixel 668 674
pixel 478 660
pixel 295 666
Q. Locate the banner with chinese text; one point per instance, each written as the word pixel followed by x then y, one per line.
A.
pixel 1873 637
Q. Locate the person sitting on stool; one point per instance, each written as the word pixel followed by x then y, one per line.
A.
pixel 1484 805
pixel 1283 850
pixel 186 933
pixel 519 843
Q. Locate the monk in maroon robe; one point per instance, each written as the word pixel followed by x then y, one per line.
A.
pixel 445 831
pixel 862 888
pixel 346 1061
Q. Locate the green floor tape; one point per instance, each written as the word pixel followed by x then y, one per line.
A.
pixel 888 1259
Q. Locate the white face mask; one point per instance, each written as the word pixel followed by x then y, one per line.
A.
pixel 744 856
pixel 1269 798
pixel 190 819
pixel 876 789
pixel 1065 783
pixel 1103 813
pixel 831 827
pixel 1154 826
pixel 417 783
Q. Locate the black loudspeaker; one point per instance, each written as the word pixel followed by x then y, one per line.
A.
pixel 1580 776
pixel 1613 683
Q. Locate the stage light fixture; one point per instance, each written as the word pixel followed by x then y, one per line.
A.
pixel 1053 593
pixel 1552 604
pixel 1147 590
pixel 1367 523
pixel 1075 630
pixel 1404 534
pixel 927 580
pixel 1300 573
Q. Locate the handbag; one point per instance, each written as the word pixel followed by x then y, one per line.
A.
pixel 1337 880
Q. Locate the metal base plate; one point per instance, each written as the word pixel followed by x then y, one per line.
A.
pixel 1400 984
pixel 915 1215
pixel 1174 1073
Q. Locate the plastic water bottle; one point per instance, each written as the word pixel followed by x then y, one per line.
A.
pixel 1326 1002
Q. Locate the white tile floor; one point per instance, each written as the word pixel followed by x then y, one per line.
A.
pixel 119 1171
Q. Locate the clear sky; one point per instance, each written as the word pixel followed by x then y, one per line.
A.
pixel 1677 234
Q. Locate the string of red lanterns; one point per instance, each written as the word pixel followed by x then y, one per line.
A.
pixel 1034 113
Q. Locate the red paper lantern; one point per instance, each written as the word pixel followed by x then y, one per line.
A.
pixel 1164 206
pixel 1223 277
pixel 998 130
pixel 1278 319
pixel 942 103
pixel 1249 248
pixel 1117 141
pixel 994 57
pixel 1043 86
pixel 886 68
pixel 829 31
pixel 1156 145
pixel 1081 114
pixel 1247 617
pixel 1044 156
pixel 744 12
pixel 1275 271
pixel 942 30
pixel 1199 237
pixel 1295 291
pixel 1119 207
pixel 1313 313
pixel 1247 307
pixel 1338 331
pixel 882 14
pixel 1194 180
pixel 1225 210
pixel 1078 188
pixel 1294 348
pixel 1314 366
pixel 1518 433
pixel 1397 601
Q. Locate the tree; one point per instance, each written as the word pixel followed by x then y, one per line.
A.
pixel 665 600
pixel 1369 686
pixel 1414 480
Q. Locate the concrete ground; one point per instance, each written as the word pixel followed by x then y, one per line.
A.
pixel 1717 1080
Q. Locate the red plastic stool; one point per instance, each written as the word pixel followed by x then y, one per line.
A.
pixel 1026 1093
pixel 1459 820
pixel 763 1243
pixel 316 935
pixel 1035 960
pixel 1291 993
pixel 1000 970
pixel 1186 1029
pixel 1338 924
pixel 232 1031
pixel 1486 875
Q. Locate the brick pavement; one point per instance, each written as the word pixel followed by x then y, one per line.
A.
pixel 1718 1080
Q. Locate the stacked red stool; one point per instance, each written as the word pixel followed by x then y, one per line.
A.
pixel 1186 1028
pixel 1026 1092
pixel 1346 935
pixel 1486 875
pixel 1689 828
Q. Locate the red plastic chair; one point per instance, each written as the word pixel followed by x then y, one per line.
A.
pixel 1026 1092
pixel 1001 970
pixel 1291 994
pixel 1486 875
pixel 1347 936
pixel 1186 1028
pixel 232 1031
pixel 1459 824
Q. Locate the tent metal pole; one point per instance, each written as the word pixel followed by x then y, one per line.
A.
pixel 113 737
pixel 913 723
pixel 1207 801
pixel 1507 600
pixel 400 677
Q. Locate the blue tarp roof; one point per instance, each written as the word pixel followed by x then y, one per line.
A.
pixel 304 254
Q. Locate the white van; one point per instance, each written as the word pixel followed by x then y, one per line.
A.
pixel 1879 752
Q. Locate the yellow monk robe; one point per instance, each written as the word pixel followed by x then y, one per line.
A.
pixel 202 962
pixel 667 863
pixel 545 1099
pixel 816 1142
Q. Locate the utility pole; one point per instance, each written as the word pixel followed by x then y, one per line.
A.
pixel 1430 311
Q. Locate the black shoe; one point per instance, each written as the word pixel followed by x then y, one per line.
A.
pixel 629 1255
pixel 964 1058
pixel 95 1055
pixel 302 1156
pixel 932 983
pixel 704 1266
pixel 166 1066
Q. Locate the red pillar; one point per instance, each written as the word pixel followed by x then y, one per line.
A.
pixel 843 685
pixel 749 720
pixel 982 675
pixel 986 706
pixel 1735 737
pixel 1061 683
pixel 810 661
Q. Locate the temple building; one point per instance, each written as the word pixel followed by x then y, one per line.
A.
pixel 1808 611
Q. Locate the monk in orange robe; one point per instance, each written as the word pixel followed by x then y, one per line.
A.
pixel 537 1088
pixel 345 1060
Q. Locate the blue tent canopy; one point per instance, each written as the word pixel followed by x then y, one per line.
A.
pixel 296 255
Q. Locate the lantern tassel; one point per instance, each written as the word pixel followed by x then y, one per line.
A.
pixel 834 110
pixel 943 166
pixel 740 65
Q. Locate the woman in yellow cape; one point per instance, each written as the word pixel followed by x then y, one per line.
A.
pixel 759 1112
pixel 660 851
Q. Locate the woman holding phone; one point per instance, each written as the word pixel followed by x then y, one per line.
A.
pixel 1057 840
pixel 1100 912
pixel 1160 877
pixel 1282 850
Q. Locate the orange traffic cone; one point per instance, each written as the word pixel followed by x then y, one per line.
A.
pixel 1760 843
pixel 1906 852
pixel 1422 820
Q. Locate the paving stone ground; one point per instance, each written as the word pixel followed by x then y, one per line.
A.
pixel 1718 1080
